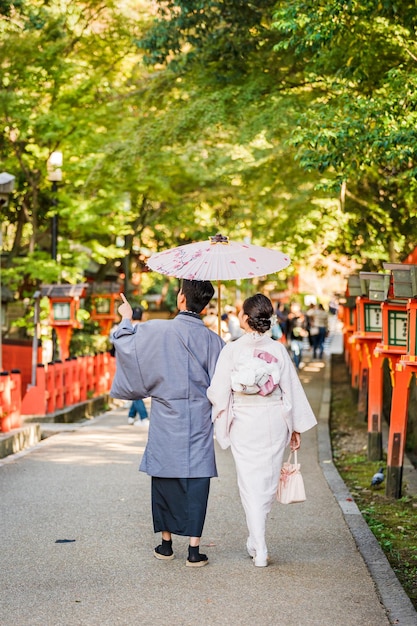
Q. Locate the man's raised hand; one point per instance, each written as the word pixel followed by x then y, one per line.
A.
pixel 125 310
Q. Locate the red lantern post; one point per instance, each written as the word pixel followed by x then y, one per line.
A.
pixel 105 299
pixel 404 287
pixel 64 302
pixel 367 336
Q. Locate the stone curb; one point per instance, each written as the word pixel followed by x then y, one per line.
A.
pixel 19 439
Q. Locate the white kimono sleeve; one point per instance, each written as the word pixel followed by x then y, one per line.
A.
pixel 220 395
pixel 301 414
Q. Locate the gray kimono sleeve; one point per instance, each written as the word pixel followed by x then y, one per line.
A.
pixel 127 383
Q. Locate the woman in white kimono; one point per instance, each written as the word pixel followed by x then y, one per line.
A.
pixel 259 407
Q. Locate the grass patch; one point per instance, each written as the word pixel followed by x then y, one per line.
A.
pixel 393 522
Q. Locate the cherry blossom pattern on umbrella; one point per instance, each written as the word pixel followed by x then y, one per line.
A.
pixel 218 259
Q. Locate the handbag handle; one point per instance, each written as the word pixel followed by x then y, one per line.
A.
pixel 295 457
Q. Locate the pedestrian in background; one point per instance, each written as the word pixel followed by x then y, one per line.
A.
pixel 211 321
pixel 233 322
pixel 310 323
pixel 296 334
pixel 321 320
pixel 172 361
pixel 259 407
pixel 282 313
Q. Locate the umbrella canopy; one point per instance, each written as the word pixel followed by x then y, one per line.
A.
pixel 218 259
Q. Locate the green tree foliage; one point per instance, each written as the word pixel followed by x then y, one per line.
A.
pixel 221 35
pixel 291 123
pixel 229 109
pixel 360 63
pixel 63 79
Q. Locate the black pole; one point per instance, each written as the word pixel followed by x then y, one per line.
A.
pixel 54 233
pixel 36 335
pixel 54 255
pixel 126 264
pixel 54 243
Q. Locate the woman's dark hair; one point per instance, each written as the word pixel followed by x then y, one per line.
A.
pixel 198 294
pixel 259 310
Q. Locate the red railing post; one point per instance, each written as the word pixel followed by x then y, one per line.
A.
pixel 59 385
pixel 91 389
pixel 50 388
pixel 16 398
pixel 35 399
pixel 68 382
pixel 75 368
pixel 100 374
pixel 109 370
pixel 82 378
pixel 5 401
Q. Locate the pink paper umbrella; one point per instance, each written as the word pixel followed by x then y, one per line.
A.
pixel 219 259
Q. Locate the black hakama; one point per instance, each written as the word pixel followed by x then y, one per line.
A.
pixel 179 505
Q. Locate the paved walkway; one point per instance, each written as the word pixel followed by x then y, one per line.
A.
pixel 77 541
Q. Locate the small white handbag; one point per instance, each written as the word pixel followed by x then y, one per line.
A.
pixel 291 483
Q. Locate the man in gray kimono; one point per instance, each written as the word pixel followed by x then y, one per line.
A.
pixel 172 361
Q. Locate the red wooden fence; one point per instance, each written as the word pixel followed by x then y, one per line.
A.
pixel 58 385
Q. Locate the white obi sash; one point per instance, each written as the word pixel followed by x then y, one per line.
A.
pixel 256 373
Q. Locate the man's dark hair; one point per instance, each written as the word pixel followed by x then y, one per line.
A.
pixel 198 294
pixel 137 313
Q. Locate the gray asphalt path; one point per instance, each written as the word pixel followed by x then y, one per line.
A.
pixel 77 541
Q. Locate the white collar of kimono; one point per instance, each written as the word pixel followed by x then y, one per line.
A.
pixel 187 312
pixel 254 334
